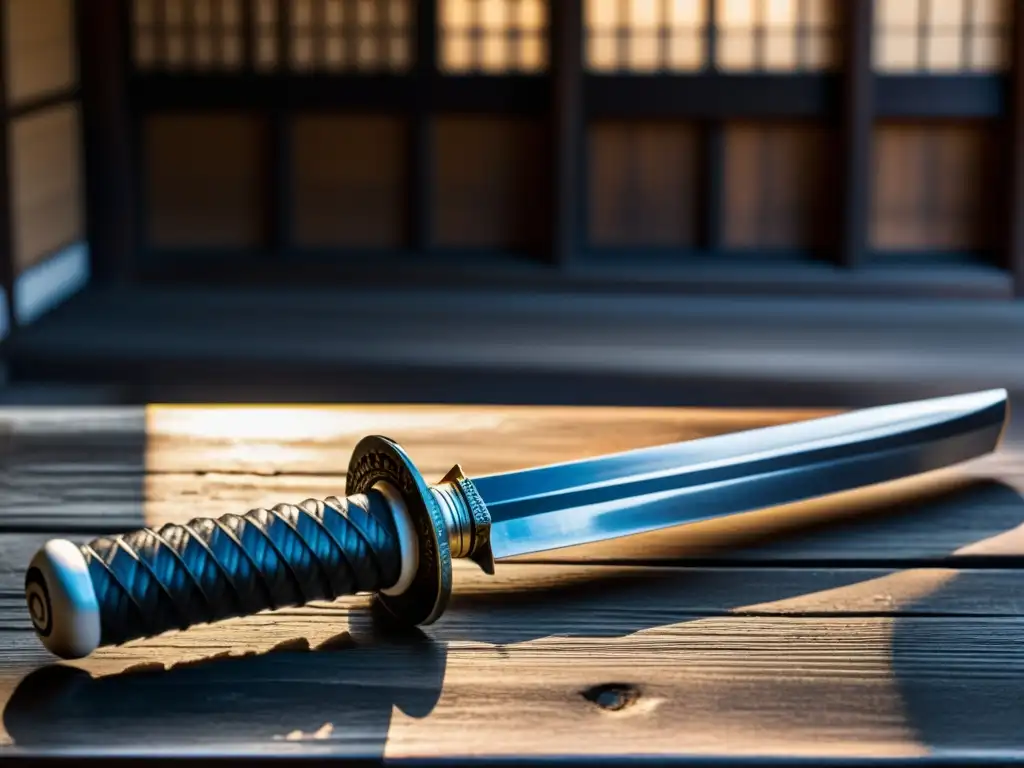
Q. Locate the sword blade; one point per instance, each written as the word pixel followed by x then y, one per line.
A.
pixel 621 494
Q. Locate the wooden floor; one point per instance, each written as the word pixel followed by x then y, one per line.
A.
pixel 885 623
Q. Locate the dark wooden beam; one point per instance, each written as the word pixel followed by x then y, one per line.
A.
pixel 963 96
pixel 711 96
pixel 857 116
pixel 699 97
pixel 159 91
pixel 712 159
pixel 7 270
pixel 712 186
pixel 248 35
pixel 136 146
pixel 106 134
pixel 1014 256
pixel 716 96
pixel 508 94
pixel 567 128
pixel 280 184
pixel 420 209
pixel 525 94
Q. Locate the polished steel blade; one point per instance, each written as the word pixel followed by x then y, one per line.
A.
pixel 620 494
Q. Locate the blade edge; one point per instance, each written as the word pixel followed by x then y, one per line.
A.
pixel 585 513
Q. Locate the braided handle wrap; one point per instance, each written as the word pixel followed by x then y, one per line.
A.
pixel 393 535
pixel 151 581
pixel 147 582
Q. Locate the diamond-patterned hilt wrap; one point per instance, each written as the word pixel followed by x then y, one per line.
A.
pixel 393 535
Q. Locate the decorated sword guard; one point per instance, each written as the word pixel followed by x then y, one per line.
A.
pixel 448 520
pixel 394 535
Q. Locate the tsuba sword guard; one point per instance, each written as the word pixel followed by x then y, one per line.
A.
pixel 447 520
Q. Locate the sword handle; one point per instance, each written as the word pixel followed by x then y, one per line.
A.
pixel 393 536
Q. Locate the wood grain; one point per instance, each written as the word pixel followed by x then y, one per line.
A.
pixel 883 623
pixel 644 179
pixel 931 187
pixel 828 663
pixel 349 177
pixel 490 181
pixel 103 469
pixel 205 182
pixel 46 183
pixel 779 181
pixel 41 48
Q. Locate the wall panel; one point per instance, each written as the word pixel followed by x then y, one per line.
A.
pixel 350 35
pixel 777 35
pixel 46 183
pixel 206 180
pixel 779 186
pixel 372 97
pixel 40 49
pixel 493 36
pixel 350 181
pixel 188 35
pixel 491 182
pixel 643 183
pixel 936 187
pixel 749 35
pixel 942 35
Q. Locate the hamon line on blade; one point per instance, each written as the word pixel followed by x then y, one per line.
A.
pixel 395 535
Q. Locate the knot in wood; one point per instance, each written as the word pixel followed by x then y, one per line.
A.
pixel 612 697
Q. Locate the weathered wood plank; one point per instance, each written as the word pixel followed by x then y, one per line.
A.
pixel 829 664
pixel 755 659
pixel 96 469
pixel 319 439
pixel 484 439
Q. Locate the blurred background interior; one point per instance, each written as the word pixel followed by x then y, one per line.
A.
pixel 752 202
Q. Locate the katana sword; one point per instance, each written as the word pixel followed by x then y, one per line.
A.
pixel 395 535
